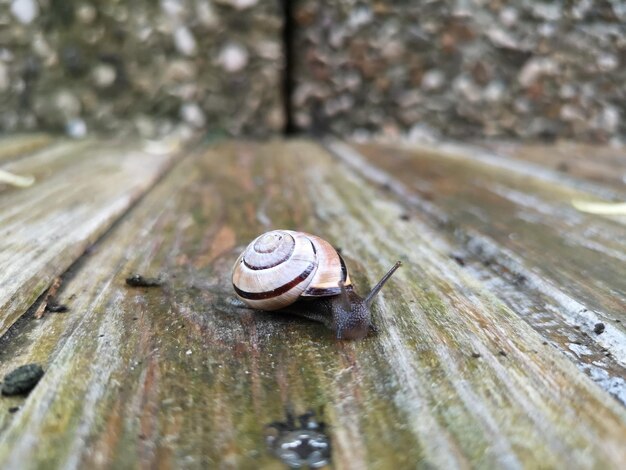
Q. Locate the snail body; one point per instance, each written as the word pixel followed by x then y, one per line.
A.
pixel 300 273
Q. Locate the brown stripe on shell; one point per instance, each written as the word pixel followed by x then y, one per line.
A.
pixel 279 290
pixel 327 292
pixel 331 270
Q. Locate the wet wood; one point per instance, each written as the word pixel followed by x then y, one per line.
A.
pixel 180 376
pixel 80 189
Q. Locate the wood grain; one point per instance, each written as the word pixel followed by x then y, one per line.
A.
pixel 561 270
pixel 44 162
pixel 595 163
pixel 14 147
pixel 80 190
pixel 181 377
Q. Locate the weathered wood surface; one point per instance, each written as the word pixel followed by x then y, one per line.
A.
pixel 601 164
pixel 562 270
pixel 180 377
pixel 13 147
pixel 80 189
pixel 39 165
pixel 523 210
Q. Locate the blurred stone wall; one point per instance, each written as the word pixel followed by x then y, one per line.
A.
pixel 465 68
pixel 141 66
pixel 418 68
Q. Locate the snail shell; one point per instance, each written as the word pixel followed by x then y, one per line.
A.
pixel 281 266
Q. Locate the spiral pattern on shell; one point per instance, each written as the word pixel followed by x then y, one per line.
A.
pixel 280 266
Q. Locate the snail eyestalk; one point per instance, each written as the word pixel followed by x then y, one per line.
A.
pixel 381 283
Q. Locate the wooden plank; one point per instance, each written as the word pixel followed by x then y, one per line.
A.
pixel 44 162
pixel 523 214
pixel 181 377
pixel 595 163
pixel 562 270
pixel 13 147
pixel 79 194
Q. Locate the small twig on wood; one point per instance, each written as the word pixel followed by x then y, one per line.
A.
pixel 52 292
pixel 16 180
pixel 600 208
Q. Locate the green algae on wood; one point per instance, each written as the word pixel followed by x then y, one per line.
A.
pixel 559 269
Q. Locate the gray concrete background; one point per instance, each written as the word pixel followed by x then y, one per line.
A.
pixel 418 69
pixel 141 66
pixel 523 68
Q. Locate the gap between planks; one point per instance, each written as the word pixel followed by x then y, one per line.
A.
pixel 81 186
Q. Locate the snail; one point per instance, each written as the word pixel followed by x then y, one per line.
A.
pixel 300 273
